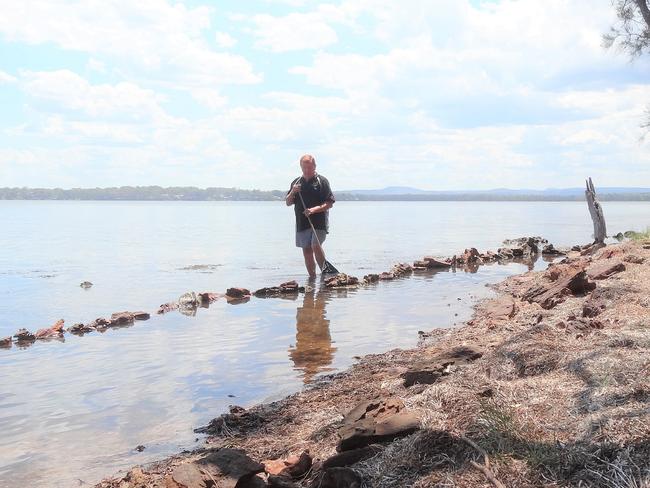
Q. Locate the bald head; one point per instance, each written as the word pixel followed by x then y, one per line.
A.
pixel 308 166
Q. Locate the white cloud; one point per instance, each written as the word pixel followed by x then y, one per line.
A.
pixel 224 40
pixel 64 91
pixel 292 32
pixel 152 37
pixel 7 78
pixel 302 30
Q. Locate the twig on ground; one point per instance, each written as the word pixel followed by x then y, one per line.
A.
pixel 485 469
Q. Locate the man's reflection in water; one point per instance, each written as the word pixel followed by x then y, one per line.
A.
pixel 313 351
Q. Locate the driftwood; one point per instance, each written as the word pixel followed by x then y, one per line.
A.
pixel 483 468
pixel 596 211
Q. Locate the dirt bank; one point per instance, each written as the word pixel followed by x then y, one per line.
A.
pixel 547 385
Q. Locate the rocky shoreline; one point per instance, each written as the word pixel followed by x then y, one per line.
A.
pixel 546 385
pixel 522 249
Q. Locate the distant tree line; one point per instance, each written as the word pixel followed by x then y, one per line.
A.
pixel 139 193
pixel 190 193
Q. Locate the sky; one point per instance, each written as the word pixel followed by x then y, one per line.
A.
pixel 433 94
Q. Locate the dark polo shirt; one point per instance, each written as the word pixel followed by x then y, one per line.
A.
pixel 315 192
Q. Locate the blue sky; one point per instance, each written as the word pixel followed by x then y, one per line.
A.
pixel 445 94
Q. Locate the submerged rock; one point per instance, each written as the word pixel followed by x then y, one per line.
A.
pixel 287 288
pixel 341 280
pixel 80 329
pixel 207 298
pixel 85 284
pixel 237 295
pixel 371 278
pixel 434 263
pixel 23 335
pixel 100 324
pixel 121 318
pixel 167 307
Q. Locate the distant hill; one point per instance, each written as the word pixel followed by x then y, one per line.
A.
pixel 395 193
pixel 497 192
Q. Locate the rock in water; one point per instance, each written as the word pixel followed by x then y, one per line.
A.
pixel 85 284
pixel 23 335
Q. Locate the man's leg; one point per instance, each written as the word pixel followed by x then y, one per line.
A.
pixel 308 254
pixel 318 253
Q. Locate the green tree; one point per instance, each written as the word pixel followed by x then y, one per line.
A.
pixel 631 33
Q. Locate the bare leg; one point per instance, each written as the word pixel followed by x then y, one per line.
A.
pixel 310 264
pixel 320 257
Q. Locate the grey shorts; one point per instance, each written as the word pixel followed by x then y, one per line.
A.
pixel 305 238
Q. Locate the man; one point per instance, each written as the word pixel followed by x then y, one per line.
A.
pixel 318 198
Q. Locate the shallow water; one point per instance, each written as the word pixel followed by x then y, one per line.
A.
pixel 77 409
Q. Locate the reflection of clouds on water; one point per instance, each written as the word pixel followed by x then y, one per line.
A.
pixel 313 352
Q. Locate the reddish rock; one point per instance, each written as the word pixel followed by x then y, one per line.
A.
pixel 572 281
pixel 428 371
pixel 500 309
pixel 293 467
pixel 341 280
pixel 141 315
pixel 6 342
pixel 55 330
pixel 186 475
pixel 433 263
pixel 603 269
pixel 379 420
pixel 385 276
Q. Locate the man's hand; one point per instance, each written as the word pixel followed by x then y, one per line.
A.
pixel 295 188
pixel 311 211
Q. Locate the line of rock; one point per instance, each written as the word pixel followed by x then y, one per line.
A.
pixel 188 303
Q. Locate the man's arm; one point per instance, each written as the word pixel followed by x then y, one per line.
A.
pixel 290 199
pixel 319 208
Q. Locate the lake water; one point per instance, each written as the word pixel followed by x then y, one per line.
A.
pixel 73 411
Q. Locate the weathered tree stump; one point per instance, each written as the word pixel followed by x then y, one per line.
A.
pixel 596 211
